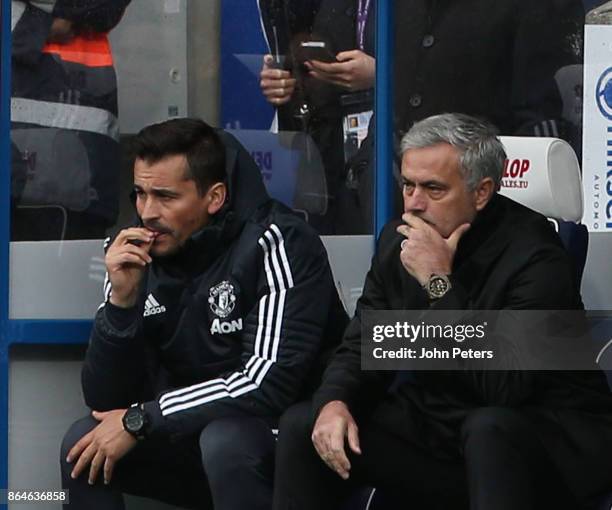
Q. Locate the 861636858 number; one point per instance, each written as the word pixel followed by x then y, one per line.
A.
pixel 11 496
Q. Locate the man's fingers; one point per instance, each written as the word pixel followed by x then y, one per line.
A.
pixel 136 250
pixel 132 234
pixel 333 69
pixel 109 466
pixel 281 88
pixel 338 454
pixel 124 259
pixel 403 230
pixel 317 445
pixel 335 461
pixel 78 448
pixel 353 438
pixel 343 56
pixel 274 75
pixel 96 463
pixel 415 222
pixel 339 465
pixel 84 461
pixel 324 445
pixel 455 237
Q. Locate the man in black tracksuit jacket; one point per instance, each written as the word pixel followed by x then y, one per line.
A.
pixel 218 308
pixel 498 439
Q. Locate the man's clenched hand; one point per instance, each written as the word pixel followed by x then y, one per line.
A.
pixel 125 261
pixel 276 84
pixel 425 251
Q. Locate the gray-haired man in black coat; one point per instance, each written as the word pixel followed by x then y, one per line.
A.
pixel 498 439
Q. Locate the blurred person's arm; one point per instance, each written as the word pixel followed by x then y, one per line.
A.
pixel 96 15
pixel 30 33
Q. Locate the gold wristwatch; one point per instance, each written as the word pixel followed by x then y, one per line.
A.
pixel 437 286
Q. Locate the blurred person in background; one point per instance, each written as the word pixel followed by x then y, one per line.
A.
pixel 64 119
pixel 328 95
pixel 495 63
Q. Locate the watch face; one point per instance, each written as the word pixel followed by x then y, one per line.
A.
pixel 134 420
pixel 438 286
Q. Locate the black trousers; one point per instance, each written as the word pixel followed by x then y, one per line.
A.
pixel 229 466
pixel 504 467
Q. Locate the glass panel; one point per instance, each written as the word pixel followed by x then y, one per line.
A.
pixel 65 133
pixel 304 132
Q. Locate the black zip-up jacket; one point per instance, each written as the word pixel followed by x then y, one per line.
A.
pixel 235 323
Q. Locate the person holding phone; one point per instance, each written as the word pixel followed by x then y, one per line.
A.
pixel 315 88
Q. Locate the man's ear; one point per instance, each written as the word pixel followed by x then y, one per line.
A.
pixel 484 192
pixel 216 197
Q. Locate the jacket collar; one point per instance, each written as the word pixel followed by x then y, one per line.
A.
pixel 482 243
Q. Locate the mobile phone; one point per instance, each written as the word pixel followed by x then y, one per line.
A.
pixel 316 50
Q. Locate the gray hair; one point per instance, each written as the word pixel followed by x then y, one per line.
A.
pixel 481 153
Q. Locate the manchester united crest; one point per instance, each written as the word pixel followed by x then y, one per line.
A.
pixel 222 299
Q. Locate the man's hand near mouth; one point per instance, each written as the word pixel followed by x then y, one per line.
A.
pixel 125 261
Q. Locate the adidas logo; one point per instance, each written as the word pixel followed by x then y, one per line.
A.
pixel 152 307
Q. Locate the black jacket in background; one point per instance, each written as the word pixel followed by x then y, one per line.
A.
pixel 495 60
pixel 235 323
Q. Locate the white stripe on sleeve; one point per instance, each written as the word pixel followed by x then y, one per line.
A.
pixel 267 340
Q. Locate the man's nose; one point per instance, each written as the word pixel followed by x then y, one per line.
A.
pixel 416 201
pixel 149 209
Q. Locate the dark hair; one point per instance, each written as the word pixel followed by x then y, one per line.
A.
pixel 193 138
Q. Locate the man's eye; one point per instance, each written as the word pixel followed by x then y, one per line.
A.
pixel 407 187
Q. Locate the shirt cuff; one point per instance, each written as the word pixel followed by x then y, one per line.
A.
pixel 120 318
